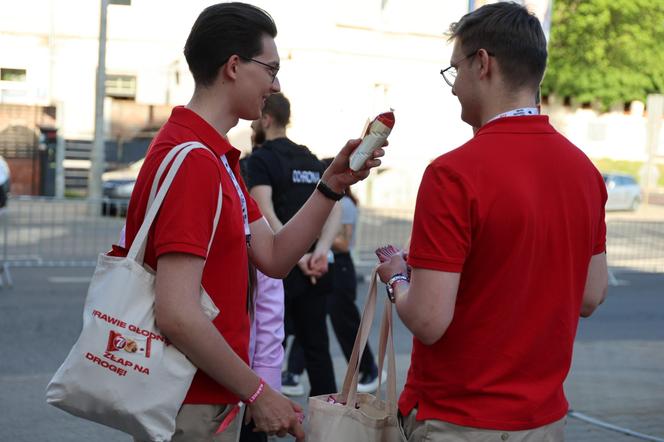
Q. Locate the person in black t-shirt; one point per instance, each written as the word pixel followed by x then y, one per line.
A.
pixel 282 177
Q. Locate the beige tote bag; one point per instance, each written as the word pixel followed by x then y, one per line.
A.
pixel 360 417
pixel 122 372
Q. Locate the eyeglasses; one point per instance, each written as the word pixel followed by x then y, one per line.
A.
pixel 273 70
pixel 449 74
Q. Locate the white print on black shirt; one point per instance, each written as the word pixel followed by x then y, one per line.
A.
pixel 306 176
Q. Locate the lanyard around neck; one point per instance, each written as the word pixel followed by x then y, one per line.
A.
pixel 520 112
pixel 243 200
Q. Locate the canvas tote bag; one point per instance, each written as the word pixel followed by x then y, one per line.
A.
pixel 122 372
pixel 360 417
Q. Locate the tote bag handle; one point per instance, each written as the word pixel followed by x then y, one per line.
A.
pixel 386 344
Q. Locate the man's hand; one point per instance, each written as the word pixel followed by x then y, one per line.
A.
pixel 274 414
pixel 392 262
pixel 305 265
pixel 338 175
pixel 312 267
pixel 318 262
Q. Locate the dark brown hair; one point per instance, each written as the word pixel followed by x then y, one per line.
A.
pixel 509 32
pixel 278 107
pixel 223 30
pixel 252 289
pixel 351 195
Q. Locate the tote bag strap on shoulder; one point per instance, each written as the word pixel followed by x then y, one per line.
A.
pixel 137 249
pixel 162 167
pixel 160 171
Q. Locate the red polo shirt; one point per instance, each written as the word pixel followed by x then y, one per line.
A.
pixel 518 211
pixel 184 224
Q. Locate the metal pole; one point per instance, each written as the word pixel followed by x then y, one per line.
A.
pixel 655 107
pixel 51 51
pixel 97 154
pixel 5 273
pixel 60 154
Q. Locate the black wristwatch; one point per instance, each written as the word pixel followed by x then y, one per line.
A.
pixel 327 192
pixel 389 285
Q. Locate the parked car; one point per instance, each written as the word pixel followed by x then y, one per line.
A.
pixel 117 187
pixel 623 190
pixel 4 182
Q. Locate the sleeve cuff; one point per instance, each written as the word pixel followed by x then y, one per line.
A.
pixel 600 248
pixel 189 249
pixel 421 262
pixel 271 375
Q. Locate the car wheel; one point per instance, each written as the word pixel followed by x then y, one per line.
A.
pixel 636 202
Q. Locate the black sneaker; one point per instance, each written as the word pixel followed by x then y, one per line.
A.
pixel 290 384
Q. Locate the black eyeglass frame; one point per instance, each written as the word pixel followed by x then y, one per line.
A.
pixel 272 70
pixel 453 75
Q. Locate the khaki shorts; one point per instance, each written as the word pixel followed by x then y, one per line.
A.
pixel 199 423
pixel 439 431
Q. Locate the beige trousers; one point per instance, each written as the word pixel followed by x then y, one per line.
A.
pixel 198 423
pixel 439 431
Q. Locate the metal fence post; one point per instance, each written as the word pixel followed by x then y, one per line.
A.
pixel 5 274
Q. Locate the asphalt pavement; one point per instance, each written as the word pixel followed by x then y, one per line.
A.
pixel 617 375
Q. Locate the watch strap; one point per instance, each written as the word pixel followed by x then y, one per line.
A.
pixel 323 188
pixel 389 286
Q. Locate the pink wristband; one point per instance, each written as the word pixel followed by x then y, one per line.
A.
pixel 257 393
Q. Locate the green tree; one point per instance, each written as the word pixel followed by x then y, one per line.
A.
pixel 608 51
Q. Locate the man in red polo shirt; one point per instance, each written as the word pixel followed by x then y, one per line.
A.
pixel 507 250
pixel 234 61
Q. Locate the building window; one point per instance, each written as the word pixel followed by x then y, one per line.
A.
pixel 121 86
pixel 8 74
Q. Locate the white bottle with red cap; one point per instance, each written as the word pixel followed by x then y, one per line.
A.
pixel 376 134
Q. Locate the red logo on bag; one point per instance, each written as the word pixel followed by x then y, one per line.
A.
pixel 117 342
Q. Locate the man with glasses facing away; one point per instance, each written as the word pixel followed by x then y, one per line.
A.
pixel 507 250
pixel 234 61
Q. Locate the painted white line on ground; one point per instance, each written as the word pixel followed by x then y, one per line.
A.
pixel 608 426
pixel 69 279
pixel 25 377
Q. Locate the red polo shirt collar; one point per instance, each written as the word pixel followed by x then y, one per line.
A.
pixel 525 124
pixel 208 135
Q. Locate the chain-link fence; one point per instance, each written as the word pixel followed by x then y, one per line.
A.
pixel 48 232
pixel 52 232
pixel 633 243
pixel 377 227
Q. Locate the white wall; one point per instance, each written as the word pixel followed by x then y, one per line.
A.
pixel 617 135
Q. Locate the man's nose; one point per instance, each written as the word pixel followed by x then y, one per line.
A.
pixel 276 86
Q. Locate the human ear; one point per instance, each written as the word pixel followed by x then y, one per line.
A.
pixel 484 62
pixel 230 68
pixel 266 121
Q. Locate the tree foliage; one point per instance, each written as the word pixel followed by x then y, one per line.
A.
pixel 606 51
